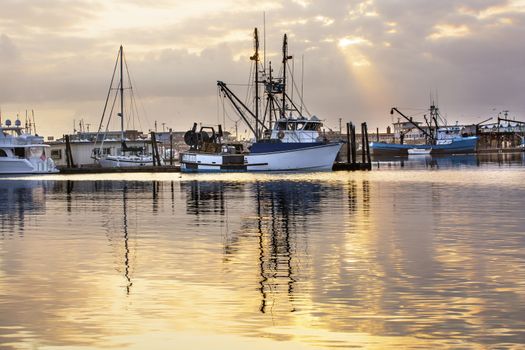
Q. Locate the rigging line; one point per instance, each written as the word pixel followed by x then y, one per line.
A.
pixel 239 84
pixel 413 109
pixel 135 110
pixel 109 120
pixel 139 98
pixel 217 104
pixel 130 110
pixel 227 114
pixel 107 99
pixel 248 90
pixel 301 99
pixel 133 105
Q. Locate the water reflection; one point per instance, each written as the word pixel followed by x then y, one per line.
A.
pixel 329 260
pixel 19 199
pixel 515 159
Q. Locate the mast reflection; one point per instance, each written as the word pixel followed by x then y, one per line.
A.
pixel 283 209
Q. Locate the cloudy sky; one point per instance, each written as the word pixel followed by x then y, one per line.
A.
pixel 360 57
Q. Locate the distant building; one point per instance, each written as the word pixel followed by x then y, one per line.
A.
pixel 83 146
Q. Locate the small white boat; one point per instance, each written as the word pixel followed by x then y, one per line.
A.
pixel 419 151
pixel 126 161
pixel 23 153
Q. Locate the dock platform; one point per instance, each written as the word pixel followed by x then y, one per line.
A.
pixel 138 169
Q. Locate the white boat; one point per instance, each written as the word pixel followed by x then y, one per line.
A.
pixel 124 161
pixel 283 142
pixel 279 152
pixel 23 153
pixel 128 156
pixel 419 151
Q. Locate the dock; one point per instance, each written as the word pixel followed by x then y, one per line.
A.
pixel 138 169
pixel 351 163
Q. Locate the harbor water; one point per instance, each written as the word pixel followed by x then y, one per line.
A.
pixel 418 253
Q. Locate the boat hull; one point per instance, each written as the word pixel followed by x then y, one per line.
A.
pixel 25 166
pixel 317 158
pixel 119 162
pixel 463 145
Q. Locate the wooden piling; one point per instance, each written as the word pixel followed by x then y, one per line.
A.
pixel 353 140
pixel 171 146
pixel 363 147
pixel 367 147
pixel 155 149
pixel 348 155
pixel 69 155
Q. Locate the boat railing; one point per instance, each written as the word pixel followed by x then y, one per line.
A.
pixel 11 142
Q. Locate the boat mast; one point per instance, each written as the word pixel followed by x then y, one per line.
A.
pixel 285 56
pixel 122 97
pixel 255 58
pixel 285 60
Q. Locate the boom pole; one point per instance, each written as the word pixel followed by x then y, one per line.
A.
pixel 239 106
pixel 410 120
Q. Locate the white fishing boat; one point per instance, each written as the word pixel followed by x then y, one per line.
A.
pixel 23 153
pixel 419 151
pixel 283 142
pixel 281 151
pixel 127 156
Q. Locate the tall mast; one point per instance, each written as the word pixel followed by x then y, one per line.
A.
pixel 122 96
pixel 285 59
pixel 255 58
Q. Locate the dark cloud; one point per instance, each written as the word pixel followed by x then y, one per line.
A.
pixel 52 54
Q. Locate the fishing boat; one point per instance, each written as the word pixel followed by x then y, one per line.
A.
pixel 22 152
pixel 284 138
pixel 439 139
pixel 127 156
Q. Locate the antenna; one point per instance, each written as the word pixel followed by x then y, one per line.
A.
pixel 34 123
pixel 264 42
pixel 302 83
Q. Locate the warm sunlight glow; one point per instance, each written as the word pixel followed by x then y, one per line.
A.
pixel 449 31
pixel 353 40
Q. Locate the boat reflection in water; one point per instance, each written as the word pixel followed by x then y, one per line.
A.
pixel 19 199
pixel 451 161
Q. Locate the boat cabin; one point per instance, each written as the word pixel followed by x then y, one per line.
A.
pixel 296 130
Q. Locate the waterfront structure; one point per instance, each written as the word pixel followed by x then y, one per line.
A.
pixel 83 145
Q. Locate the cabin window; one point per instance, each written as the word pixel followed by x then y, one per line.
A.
pixel 311 126
pixel 300 126
pixel 2 153
pixel 20 152
pixel 56 154
pixel 281 126
pixel 105 151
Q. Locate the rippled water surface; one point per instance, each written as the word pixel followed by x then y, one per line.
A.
pixel 414 256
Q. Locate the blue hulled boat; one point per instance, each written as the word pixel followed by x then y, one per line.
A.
pixel 440 140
